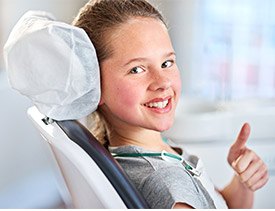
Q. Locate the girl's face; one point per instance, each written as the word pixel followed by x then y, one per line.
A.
pixel 140 81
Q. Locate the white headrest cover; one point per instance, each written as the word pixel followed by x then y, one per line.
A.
pixel 55 65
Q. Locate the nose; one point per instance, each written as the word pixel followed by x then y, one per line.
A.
pixel 160 81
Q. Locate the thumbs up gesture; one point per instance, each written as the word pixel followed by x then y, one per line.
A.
pixel 249 167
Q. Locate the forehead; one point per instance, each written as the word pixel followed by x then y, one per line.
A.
pixel 140 36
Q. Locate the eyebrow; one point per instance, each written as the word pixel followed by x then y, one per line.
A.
pixel 138 59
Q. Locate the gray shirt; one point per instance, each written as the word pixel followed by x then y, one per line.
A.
pixel 163 183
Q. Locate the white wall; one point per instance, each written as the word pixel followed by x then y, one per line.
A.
pixel 26 177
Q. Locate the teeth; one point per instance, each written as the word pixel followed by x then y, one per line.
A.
pixel 158 104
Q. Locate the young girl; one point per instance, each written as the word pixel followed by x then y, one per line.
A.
pixel 140 84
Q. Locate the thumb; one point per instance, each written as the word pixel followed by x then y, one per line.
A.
pixel 238 147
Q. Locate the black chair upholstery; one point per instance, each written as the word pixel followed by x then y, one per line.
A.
pixel 83 138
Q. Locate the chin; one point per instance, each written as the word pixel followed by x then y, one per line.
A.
pixel 164 127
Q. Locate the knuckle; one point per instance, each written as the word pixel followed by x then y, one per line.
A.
pixel 257 158
pixel 239 168
pixel 250 186
pixel 249 150
pixel 243 177
pixel 261 162
pixel 249 183
pixel 264 168
pixel 234 165
pixel 251 153
pixel 253 188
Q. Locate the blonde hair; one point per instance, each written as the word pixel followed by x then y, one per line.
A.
pixel 99 18
pixel 99 127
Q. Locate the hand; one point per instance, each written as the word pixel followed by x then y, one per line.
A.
pixel 249 167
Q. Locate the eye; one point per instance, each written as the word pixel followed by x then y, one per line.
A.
pixel 136 70
pixel 167 64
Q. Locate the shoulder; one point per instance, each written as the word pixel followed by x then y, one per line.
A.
pixel 172 175
pixel 166 186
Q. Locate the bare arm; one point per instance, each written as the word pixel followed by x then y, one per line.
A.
pixel 182 206
pixel 237 195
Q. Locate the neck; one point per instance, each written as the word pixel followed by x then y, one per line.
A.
pixel 122 134
pixel 147 139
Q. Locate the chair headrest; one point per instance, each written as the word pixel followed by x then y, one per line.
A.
pixel 55 65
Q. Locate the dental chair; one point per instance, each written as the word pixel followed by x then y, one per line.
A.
pixel 92 176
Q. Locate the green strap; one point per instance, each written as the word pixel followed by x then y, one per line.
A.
pixel 188 167
pixel 148 155
pixel 165 140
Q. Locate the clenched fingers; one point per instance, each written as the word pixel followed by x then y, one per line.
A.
pixel 252 171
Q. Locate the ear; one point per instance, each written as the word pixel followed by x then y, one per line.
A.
pixel 101 101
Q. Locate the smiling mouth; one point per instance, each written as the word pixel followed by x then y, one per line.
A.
pixel 160 104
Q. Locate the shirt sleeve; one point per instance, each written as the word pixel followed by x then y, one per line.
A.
pixel 167 186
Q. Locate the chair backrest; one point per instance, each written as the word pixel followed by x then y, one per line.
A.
pixel 93 177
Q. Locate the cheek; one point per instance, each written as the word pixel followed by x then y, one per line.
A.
pixel 127 94
pixel 126 97
pixel 124 102
pixel 177 83
pixel 122 94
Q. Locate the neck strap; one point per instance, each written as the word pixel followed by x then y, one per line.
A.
pixel 169 157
